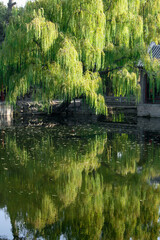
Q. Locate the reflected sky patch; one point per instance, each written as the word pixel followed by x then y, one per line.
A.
pixel 5 225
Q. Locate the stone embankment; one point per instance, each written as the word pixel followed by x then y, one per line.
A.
pixel 148 110
pixel 78 108
pixel 28 107
pixel 6 114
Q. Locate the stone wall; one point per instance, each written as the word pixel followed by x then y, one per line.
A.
pixel 148 110
pixel 148 124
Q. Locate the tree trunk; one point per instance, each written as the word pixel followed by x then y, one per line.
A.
pixel 2 94
pixel 10 5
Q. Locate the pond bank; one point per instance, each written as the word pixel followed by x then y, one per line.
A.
pixel 77 107
pixel 32 113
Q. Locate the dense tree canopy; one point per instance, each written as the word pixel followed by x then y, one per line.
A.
pixel 66 49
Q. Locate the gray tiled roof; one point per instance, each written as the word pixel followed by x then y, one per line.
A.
pixel 154 52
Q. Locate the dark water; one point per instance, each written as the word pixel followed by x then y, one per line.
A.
pixel 79 182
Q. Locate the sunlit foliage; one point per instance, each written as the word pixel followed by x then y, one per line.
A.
pixel 61 48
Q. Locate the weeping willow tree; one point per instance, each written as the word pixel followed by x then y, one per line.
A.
pixel 67 49
pixel 48 60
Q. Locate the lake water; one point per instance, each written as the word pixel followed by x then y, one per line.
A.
pixel 83 182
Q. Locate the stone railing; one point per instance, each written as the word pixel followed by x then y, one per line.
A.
pixel 120 101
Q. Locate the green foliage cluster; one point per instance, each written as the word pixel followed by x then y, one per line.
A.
pixel 61 48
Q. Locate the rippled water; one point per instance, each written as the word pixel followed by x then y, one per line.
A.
pixel 79 182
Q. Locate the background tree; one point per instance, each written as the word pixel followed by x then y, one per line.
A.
pixel 3 18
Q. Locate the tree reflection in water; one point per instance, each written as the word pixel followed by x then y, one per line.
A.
pixel 81 182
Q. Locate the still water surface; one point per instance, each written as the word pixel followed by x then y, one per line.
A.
pixel 79 182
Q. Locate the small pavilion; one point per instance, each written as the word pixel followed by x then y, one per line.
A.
pixel 149 106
